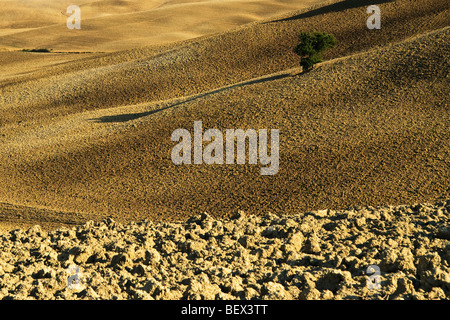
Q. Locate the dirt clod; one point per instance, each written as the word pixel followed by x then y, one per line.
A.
pixel 290 257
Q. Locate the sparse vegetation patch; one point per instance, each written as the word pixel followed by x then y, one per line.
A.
pixel 45 50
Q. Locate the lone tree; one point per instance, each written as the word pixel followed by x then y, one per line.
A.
pixel 311 47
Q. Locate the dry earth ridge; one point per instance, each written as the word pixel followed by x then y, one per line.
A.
pixel 86 137
pixel 82 138
pixel 316 255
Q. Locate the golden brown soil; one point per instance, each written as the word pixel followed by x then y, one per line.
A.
pixel 111 25
pixel 86 136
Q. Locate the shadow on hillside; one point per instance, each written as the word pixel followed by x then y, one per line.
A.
pixel 335 7
pixel 132 116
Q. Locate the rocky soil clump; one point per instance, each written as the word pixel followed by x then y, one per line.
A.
pixel 316 255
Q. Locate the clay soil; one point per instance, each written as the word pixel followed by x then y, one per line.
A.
pixel 85 135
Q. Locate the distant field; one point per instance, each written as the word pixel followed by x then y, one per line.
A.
pixel 119 24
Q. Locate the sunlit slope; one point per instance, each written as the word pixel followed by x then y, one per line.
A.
pixel 367 129
pixel 118 24
pixel 157 73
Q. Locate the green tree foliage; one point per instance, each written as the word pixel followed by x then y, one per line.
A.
pixel 311 47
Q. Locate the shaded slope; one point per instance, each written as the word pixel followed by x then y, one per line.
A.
pixel 368 129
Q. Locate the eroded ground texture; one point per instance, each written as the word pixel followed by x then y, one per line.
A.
pixel 316 255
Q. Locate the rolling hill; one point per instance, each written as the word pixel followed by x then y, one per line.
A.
pixel 87 135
